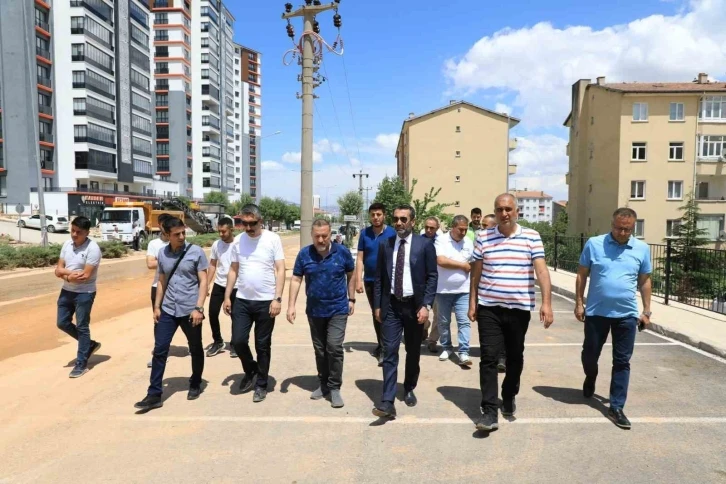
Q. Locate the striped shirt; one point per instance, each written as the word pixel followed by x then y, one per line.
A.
pixel 507 275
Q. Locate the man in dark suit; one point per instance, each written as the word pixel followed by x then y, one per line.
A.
pixel 404 291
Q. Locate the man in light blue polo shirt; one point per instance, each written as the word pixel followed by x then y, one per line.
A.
pixel 618 264
pixel 367 258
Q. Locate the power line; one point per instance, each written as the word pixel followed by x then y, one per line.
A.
pixel 335 112
pixel 325 133
pixel 350 105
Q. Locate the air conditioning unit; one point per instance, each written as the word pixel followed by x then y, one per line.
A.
pixel 722 235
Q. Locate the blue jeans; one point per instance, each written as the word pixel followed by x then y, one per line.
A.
pixel 80 304
pixel 596 333
pixel 459 303
pixel 163 334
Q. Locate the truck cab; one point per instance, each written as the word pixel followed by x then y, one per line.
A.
pixel 118 222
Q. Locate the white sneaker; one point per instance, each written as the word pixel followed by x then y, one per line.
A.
pixel 464 360
pixel 445 355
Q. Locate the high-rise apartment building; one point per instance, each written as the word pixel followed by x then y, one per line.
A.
pixel 462 149
pixel 92 63
pixel 534 206
pixel 248 69
pixel 646 146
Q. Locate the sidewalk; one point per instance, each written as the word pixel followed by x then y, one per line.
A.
pixel 705 330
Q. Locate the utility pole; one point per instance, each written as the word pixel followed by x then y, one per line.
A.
pixel 310 60
pixel 360 191
pixel 367 189
pixel 39 174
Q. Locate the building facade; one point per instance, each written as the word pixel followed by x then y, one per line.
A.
pixel 248 68
pixel 647 146
pixel 558 207
pixel 534 206
pixel 462 149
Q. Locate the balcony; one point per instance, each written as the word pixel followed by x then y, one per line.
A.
pixel 162 166
pixel 42 25
pixel 45 81
pixel 100 142
pixel 45 137
pixel 161 70
pixel 100 114
pixel 208 167
pixel 97 7
pixel 143 168
pixel 44 53
pixel 512 169
pixel 43 109
pixel 47 165
pixel 512 144
pixel 207 183
pixel 97 165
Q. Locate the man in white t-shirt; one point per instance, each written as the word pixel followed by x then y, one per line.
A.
pixel 453 254
pixel 220 260
pixel 152 260
pixel 260 262
pixel 78 267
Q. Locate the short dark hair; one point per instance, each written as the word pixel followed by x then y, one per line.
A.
pixel 377 206
pixel 490 215
pixel 320 222
pixel 172 223
pixel 459 219
pixel 82 223
pixel 476 211
pixel 251 209
pixel 226 221
pixel 625 212
pixel 408 207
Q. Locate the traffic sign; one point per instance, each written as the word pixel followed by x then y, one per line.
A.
pixel 20 208
pixel 349 218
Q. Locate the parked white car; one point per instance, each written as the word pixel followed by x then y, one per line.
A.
pixel 334 233
pixel 52 223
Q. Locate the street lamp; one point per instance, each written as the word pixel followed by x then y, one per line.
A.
pixel 326 194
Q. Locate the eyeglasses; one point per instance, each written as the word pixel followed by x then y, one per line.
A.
pixel 250 224
pixel 623 229
pixel 430 228
pixel 402 219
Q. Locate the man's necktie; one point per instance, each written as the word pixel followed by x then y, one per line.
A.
pixel 398 277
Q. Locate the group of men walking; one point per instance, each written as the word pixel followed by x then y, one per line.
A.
pixel 482 270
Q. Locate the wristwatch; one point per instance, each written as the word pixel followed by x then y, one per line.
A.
pixel 428 307
pixel 279 299
pixel 200 309
pixel 351 300
pixel 647 313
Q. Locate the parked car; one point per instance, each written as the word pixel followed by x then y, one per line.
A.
pixel 52 223
pixel 334 236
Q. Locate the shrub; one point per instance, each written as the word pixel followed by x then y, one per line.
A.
pixel 205 240
pixel 112 249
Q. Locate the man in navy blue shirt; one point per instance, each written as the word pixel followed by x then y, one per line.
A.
pixel 328 271
pixel 366 259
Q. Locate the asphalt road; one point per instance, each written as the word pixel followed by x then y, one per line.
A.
pixel 31 235
pixel 60 430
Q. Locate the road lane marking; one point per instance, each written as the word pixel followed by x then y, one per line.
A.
pixel 402 420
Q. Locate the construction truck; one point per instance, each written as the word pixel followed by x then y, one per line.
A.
pixel 118 221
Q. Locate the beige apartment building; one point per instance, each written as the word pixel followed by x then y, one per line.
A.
pixel 462 149
pixel 646 146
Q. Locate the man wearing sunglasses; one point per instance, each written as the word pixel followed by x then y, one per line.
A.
pixel 260 262
pixel 404 291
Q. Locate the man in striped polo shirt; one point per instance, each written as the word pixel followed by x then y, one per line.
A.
pixel 506 258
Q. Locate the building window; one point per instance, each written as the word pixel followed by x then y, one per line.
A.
pixel 458 154
pixel 639 231
pixel 675 190
pixel 712 224
pixel 637 190
pixel 672 226
pixel 79 106
pixel 457 204
pixel 458 129
pixel 639 152
pixel 676 152
pixel 3 186
pixel 713 108
pixel 138 36
pixel 80 133
pixel 161 18
pixel 640 111
pixel 162 35
pixel 457 178
pixel 711 146
pixel 676 112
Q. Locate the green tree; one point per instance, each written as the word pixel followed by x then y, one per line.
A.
pixel 217 197
pixel 391 193
pixel 350 203
pixel 235 208
pixel 269 209
pixel 560 225
pixel 292 213
pixel 428 207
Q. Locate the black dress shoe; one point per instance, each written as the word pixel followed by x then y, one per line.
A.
pixel 410 399
pixel 380 359
pixel 385 410
pixel 619 418
pixel 247 383
pixel 149 403
pixel 194 393
pixel 588 387
pixel 509 407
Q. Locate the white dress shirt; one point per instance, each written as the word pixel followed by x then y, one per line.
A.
pixel 407 284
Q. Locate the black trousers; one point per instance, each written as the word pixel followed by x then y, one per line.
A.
pixel 500 328
pixel 216 299
pixel 328 335
pixel 163 333
pixel 376 325
pixel 400 321
pixel 245 314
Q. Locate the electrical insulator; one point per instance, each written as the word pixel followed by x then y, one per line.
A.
pixel 288 7
pixel 316 27
pixel 308 2
pixel 337 20
pixel 290 31
pixel 316 2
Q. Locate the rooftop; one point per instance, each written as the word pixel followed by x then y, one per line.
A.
pixel 530 194
pixel 665 87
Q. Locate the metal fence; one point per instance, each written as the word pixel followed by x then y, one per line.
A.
pixel 689 275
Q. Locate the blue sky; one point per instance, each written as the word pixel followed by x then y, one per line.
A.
pixel 406 56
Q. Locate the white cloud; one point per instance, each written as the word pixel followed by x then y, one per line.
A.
pixel 327 146
pixel 539 64
pixel 503 108
pixel 268 166
pixel 295 157
pixel 388 141
pixel 541 164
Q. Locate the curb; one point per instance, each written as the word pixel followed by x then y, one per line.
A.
pixel 659 329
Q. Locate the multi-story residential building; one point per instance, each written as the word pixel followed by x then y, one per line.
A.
pixel 248 67
pixel 462 149
pixel 172 23
pixel 558 207
pixel 94 103
pixel 534 206
pixel 647 146
pixel 213 81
